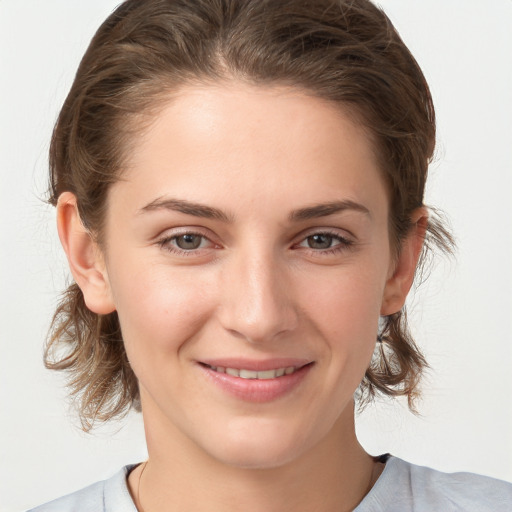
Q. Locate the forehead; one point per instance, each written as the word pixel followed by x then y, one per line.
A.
pixel 260 141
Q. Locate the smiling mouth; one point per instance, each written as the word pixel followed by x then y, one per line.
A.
pixel 252 374
pixel 257 381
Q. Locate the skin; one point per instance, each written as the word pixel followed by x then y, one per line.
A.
pixel 257 287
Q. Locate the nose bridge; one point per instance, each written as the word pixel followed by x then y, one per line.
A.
pixel 257 303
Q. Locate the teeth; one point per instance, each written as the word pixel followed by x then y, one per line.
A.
pixel 268 374
pixel 248 374
pixel 251 374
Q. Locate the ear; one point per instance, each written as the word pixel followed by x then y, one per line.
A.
pixel 402 274
pixel 85 258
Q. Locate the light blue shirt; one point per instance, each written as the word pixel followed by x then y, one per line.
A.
pixel 402 487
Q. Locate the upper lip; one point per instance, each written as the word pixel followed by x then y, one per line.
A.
pixel 256 365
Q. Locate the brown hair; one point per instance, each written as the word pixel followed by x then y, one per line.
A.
pixel 345 51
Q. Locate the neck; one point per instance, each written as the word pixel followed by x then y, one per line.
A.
pixel 334 475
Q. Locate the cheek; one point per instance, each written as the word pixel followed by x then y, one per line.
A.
pixel 345 311
pixel 158 310
pixel 347 302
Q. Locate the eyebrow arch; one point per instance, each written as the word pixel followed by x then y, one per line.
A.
pixel 325 209
pixel 186 207
pixel 209 212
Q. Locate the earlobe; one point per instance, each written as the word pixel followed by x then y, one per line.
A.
pixel 85 259
pixel 402 275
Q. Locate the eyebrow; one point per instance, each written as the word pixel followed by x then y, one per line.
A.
pixel 209 212
pixel 186 207
pixel 326 209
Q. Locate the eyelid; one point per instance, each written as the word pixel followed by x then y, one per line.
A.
pixel 167 236
pixel 342 234
pixel 345 241
pixel 171 232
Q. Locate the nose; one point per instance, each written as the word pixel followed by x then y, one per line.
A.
pixel 257 298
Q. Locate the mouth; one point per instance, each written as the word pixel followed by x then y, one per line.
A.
pixel 244 373
pixel 257 381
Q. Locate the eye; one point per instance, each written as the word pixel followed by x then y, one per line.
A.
pixel 325 243
pixel 320 241
pixel 187 243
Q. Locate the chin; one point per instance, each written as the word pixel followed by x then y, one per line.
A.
pixel 257 457
pixel 261 446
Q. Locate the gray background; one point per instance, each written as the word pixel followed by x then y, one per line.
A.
pixel 462 317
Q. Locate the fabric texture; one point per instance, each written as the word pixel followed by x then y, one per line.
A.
pixel 405 487
pixel 402 487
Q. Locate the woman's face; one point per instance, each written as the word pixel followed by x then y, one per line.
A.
pixel 247 255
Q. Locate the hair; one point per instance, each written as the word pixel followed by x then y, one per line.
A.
pixel 343 51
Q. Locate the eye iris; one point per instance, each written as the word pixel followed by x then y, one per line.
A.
pixel 188 241
pixel 320 241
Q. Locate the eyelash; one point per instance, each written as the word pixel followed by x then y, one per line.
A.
pixel 166 243
pixel 342 245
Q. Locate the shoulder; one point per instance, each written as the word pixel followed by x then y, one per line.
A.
pixel 404 486
pixel 110 495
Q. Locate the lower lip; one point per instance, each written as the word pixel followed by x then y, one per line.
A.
pixel 257 390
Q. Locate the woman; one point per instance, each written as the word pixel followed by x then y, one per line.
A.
pixel 239 190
